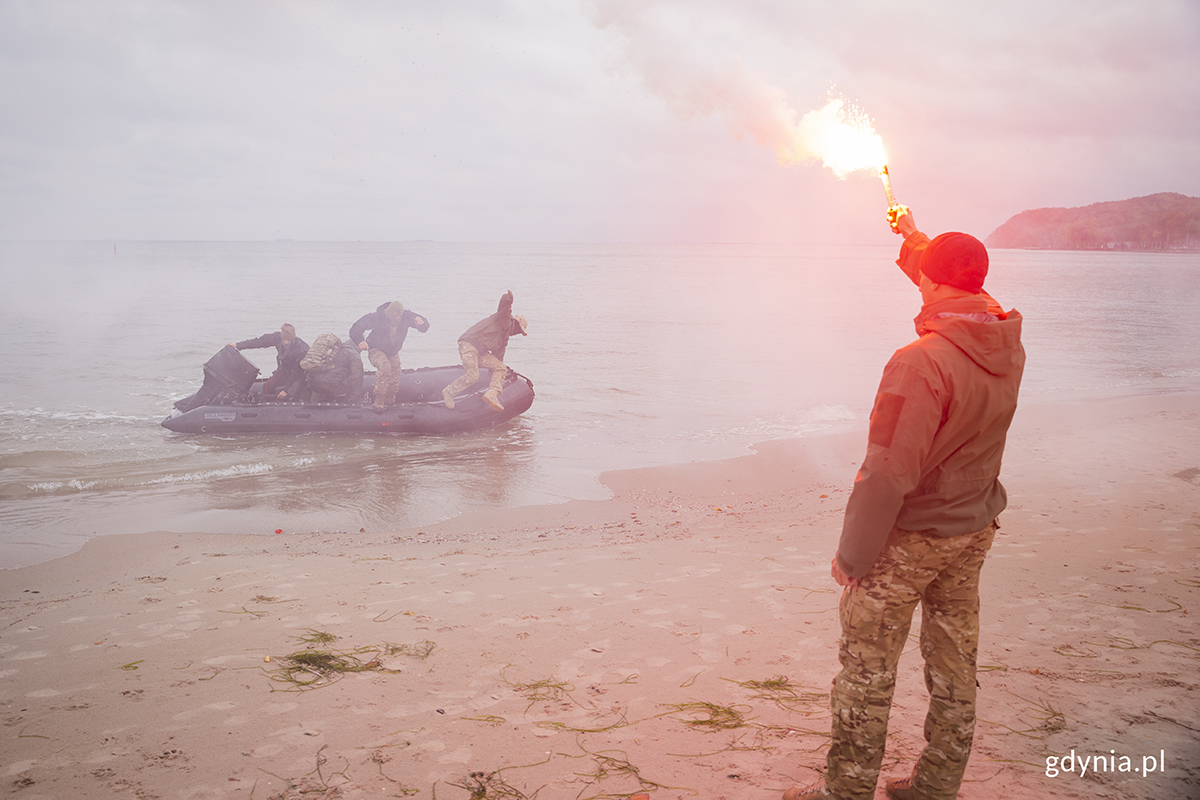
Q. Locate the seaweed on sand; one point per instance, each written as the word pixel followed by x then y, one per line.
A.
pixel 483 785
pixel 544 690
pixel 312 668
pixel 615 764
pixel 783 693
pixel 421 650
pixel 710 715
pixel 317 637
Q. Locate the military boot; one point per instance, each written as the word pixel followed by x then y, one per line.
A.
pixel 818 791
pixel 901 789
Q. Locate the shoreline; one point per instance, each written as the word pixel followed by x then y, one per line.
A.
pixel 678 638
pixel 38 551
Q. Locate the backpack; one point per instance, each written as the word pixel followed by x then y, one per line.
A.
pixel 320 353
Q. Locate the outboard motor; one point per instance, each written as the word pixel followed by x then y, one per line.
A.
pixel 227 376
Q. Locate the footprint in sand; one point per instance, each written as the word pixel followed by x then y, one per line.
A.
pixel 222 706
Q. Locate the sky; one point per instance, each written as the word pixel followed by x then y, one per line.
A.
pixel 578 120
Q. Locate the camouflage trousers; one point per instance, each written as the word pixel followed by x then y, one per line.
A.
pixel 387 376
pixel 942 574
pixel 472 360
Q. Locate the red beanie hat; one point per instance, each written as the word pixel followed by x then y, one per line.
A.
pixel 956 259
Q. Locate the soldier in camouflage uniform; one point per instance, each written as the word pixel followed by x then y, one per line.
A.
pixel 942 574
pixel 333 371
pixel 484 344
pixel 389 326
pixel 919 523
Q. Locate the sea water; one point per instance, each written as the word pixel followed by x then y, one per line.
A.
pixel 639 355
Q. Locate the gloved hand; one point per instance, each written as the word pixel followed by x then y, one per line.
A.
pixel 901 221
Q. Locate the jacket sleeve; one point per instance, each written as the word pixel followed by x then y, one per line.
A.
pixel 410 318
pixel 906 416
pixel 514 329
pixel 911 253
pixel 505 305
pixel 359 329
pixel 296 384
pixel 266 340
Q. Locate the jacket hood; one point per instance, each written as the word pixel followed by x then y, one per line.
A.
pixel 994 346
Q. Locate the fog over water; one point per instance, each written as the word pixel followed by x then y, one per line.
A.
pixel 639 354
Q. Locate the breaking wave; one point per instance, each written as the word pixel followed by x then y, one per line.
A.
pixel 83 485
pixel 209 474
pixel 69 416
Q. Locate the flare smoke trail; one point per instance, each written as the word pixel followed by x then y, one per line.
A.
pixel 839 136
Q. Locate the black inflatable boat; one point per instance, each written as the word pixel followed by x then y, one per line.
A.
pixel 231 401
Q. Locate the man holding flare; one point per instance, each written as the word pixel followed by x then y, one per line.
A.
pixel 920 520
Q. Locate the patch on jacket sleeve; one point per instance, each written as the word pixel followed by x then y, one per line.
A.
pixel 885 418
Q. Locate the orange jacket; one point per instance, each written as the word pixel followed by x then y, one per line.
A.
pixel 937 429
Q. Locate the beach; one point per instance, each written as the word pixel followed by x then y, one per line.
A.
pixel 676 639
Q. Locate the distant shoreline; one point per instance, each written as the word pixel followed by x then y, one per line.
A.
pixel 1166 221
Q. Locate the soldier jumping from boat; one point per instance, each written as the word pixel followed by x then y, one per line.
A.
pixel 388 325
pixel 484 344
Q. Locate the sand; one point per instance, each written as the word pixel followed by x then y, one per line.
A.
pixel 678 639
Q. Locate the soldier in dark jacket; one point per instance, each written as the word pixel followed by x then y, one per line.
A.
pixel 333 370
pixel 484 344
pixel 388 325
pixel 290 350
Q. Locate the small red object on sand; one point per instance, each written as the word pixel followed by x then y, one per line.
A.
pixel 279 530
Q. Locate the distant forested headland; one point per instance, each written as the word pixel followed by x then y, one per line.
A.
pixel 1165 221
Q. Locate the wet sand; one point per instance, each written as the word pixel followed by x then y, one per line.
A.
pixel 677 639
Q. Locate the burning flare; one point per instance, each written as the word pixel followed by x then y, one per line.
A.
pixel 695 81
pixel 845 141
pixel 678 69
pixel 841 137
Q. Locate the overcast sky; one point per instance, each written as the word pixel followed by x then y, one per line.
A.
pixel 577 120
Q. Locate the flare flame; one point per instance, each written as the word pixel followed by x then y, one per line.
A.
pixel 841 136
